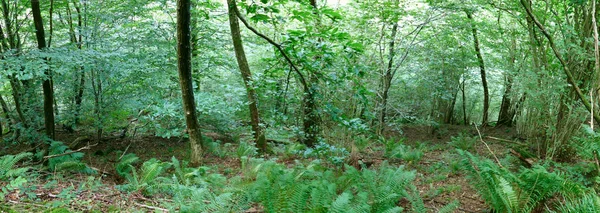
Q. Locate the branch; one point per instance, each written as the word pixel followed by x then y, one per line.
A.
pixel 562 61
pixel 71 152
pixel 488 147
pixel 278 46
pixel 151 207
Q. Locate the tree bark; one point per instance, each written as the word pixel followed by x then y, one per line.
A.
pixel 240 54
pixel 47 84
pixel 464 102
pixel 486 93
pixel 507 112
pixel 184 63
pixel 386 79
pixel 78 41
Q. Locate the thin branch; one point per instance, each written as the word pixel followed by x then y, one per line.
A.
pixel 277 45
pixel 488 147
pixel 71 152
pixel 151 207
pixel 562 61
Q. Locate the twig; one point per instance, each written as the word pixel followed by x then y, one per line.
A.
pixel 150 207
pixel 488 147
pixel 505 140
pixel 130 142
pixel 71 152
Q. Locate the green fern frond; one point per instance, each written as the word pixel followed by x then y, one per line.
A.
pixel 341 203
pixel 124 166
pixel 7 163
pixel 588 203
pixel 450 207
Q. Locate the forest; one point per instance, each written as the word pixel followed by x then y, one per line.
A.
pixel 268 106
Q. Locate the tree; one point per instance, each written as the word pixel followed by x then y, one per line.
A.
pixel 184 64
pixel 387 76
pixel 484 83
pixel 47 84
pixel 259 135
pixel 310 120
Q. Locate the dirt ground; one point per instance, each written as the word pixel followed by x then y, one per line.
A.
pixel 436 187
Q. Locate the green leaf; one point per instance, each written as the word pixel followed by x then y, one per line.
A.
pixel 332 14
pixel 260 17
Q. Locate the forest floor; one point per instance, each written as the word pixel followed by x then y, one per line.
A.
pixel 437 181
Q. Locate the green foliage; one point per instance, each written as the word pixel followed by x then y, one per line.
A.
pixel 7 163
pixel 463 141
pixel 124 166
pixel 505 191
pixel 331 153
pixel 404 152
pixel 148 178
pixel 245 149
pixel 14 176
pixel 313 189
pixel 586 203
pixel 66 162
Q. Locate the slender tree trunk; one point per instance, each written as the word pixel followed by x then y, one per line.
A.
pixel 507 112
pixel 594 93
pixel 311 121
pixel 96 80
pixel 6 116
pixel 47 84
pixel 311 117
pixel 78 40
pixel 184 62
pixel 16 93
pixel 464 102
pixel 486 93
pixel 259 135
pixel 386 79
pixel 449 113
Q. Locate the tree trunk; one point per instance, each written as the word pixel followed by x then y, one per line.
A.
pixel 464 102
pixel 259 135
pixel 486 93
pixel 184 62
pixel 97 87
pixel 507 112
pixel 6 116
pixel 387 79
pixel 47 84
pixel 311 121
pixel 78 41
pixel 449 113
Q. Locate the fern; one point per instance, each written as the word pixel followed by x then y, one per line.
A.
pixel 315 189
pixel 147 180
pixel 451 207
pixel 505 191
pixel 70 162
pixel 124 168
pixel 588 203
pixel 7 163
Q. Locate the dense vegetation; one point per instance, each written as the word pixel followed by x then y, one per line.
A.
pixel 299 106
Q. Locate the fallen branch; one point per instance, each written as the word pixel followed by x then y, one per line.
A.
pixel 488 147
pixel 528 161
pixel 151 207
pixel 71 152
pixel 505 140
